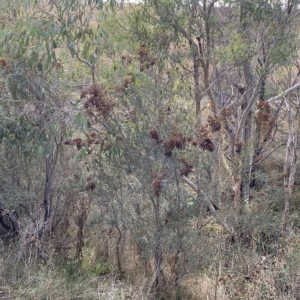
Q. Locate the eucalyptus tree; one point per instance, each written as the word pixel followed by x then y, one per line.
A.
pixel 39 41
pixel 224 52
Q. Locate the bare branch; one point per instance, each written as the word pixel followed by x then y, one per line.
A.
pixel 283 94
pixel 190 183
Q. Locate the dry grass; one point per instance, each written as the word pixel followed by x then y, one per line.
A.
pixel 242 274
pixel 204 287
pixel 49 282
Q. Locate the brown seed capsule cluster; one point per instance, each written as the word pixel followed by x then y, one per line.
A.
pixel 187 167
pixel 3 62
pixel 90 186
pixel 143 52
pixel 93 139
pixel 78 142
pixel 154 135
pixel 204 134
pixel 97 98
pixel 207 144
pixel 204 139
pixel 126 58
pixel 174 141
pixel 157 183
pixel 193 143
pixel 214 123
pixel 145 58
pixel 264 119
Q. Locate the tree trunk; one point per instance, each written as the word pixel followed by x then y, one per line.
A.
pixel 290 162
pixel 246 138
pixel 50 160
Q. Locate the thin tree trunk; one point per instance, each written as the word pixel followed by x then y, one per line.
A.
pixel 290 163
pixel 247 133
pixel 51 161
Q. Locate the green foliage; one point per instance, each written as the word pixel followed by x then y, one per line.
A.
pixel 264 10
pixel 236 51
pixel 101 268
pixel 60 27
pixel 127 95
pixel 285 50
pixel 81 120
pixel 71 270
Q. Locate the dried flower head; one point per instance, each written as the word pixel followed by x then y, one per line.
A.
pixel 143 53
pixel 207 144
pixel 174 141
pixel 68 142
pixel 154 134
pixel 3 62
pixel 187 167
pixel 264 119
pixel 204 140
pixel 168 147
pixel 157 183
pixel 90 186
pixel 97 98
pixel 79 143
pixel 214 123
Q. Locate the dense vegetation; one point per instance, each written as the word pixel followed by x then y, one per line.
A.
pixel 150 150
